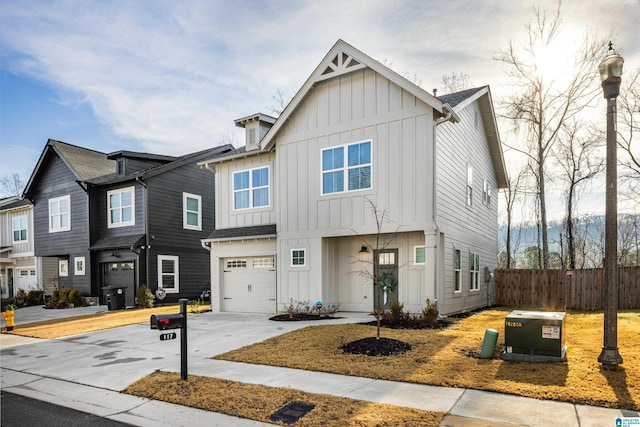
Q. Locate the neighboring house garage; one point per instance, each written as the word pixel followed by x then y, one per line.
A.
pixel 249 284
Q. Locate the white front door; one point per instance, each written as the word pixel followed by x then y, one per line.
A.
pixel 249 285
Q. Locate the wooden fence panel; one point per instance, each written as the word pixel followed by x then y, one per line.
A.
pixel 560 289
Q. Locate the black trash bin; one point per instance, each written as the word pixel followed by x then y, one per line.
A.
pixel 115 296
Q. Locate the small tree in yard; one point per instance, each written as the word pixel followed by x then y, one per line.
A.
pixel 382 278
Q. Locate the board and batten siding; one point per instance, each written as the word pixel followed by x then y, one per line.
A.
pixel 226 216
pixel 351 108
pixel 469 229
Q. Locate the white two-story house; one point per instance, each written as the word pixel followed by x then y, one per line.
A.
pixel 17 258
pixel 293 206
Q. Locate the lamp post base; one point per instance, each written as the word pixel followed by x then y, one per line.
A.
pixel 610 358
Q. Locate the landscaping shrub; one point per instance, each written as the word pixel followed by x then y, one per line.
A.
pixel 144 297
pixel 35 297
pixel 62 298
pixel 397 318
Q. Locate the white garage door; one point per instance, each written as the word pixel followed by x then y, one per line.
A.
pixel 25 278
pixel 249 285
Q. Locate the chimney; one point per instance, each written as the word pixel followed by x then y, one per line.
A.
pixel 256 126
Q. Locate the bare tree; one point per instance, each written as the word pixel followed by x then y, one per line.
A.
pixel 382 278
pixel 541 104
pixel 511 194
pixel 455 82
pixel 629 124
pixel 578 157
pixel 280 100
pixel 11 185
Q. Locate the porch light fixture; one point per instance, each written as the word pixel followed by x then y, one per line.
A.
pixel 610 74
pixel 363 250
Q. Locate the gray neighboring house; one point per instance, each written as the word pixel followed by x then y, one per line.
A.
pixel 122 219
pixel 293 220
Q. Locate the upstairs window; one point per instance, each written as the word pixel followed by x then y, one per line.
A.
pixel 192 211
pixel 121 207
pixel 60 214
pixel 19 229
pixel 486 193
pixel 251 188
pixel 350 164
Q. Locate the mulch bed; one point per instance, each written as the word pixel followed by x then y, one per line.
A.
pixel 376 347
pixel 300 316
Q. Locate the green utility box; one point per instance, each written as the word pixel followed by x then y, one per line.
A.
pixel 534 336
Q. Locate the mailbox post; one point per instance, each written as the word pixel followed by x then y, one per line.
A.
pixel 163 322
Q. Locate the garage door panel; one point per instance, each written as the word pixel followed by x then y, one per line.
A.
pixel 249 285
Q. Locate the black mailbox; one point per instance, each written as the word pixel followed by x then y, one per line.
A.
pixel 167 321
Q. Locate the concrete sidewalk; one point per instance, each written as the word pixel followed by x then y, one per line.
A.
pixel 88 371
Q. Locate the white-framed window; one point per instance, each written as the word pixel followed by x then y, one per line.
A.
pixel 63 267
pixel 169 273
pixel 298 257
pixel 350 164
pixel 486 192
pixel 418 255
pixel 60 214
pixel 474 271
pixel 78 263
pixel 19 229
pixel 251 188
pixel 457 271
pixel 469 185
pixel 192 211
pixel 121 207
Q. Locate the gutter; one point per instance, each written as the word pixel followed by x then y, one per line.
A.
pixel 451 116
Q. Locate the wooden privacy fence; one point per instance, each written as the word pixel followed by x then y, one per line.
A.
pixel 561 289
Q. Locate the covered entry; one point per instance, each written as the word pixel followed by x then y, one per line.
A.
pixel 249 284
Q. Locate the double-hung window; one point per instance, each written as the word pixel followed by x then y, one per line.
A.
pixel 121 207
pixel 60 214
pixel 19 229
pixel 169 273
pixel 347 165
pixel 474 271
pixel 192 211
pixel 457 271
pixel 251 188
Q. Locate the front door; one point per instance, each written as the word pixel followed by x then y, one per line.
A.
pixel 386 265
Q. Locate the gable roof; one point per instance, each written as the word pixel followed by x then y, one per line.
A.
pixel 84 164
pixel 459 100
pixel 343 59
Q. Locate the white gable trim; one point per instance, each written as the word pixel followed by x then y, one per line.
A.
pixel 342 59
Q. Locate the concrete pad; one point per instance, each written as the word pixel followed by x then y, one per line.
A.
pixel 9 378
pixel 596 417
pixel 10 340
pixel 418 396
pixel 515 409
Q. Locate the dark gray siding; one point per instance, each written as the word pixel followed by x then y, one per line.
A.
pixel 56 180
pixel 166 232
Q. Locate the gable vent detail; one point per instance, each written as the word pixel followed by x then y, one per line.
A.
pixel 342 63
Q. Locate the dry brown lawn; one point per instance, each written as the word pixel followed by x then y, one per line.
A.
pixel 258 402
pixel 439 357
pixel 57 328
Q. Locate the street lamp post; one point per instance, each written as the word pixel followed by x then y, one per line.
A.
pixel 610 74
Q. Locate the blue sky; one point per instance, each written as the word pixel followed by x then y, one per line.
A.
pixel 169 77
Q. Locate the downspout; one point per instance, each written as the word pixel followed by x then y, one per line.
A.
pixel 145 191
pixel 449 115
